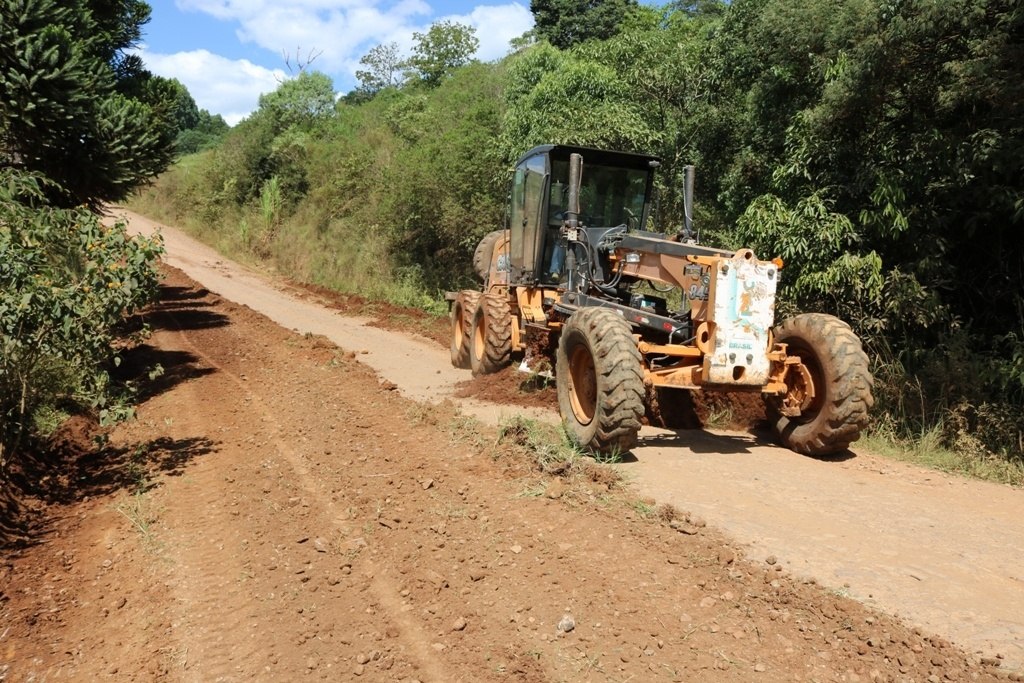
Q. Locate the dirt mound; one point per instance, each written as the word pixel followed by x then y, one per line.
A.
pixel 511 387
pixel 58 471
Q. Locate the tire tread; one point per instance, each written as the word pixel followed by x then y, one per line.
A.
pixel 620 380
pixel 845 412
pixel 497 318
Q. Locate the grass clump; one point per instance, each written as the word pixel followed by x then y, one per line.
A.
pixel 138 509
pixel 552 451
pixel 550 447
pixel 966 456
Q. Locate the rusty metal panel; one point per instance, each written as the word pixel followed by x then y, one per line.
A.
pixel 743 311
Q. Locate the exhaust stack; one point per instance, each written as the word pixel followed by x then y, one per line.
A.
pixel 688 173
pixel 572 214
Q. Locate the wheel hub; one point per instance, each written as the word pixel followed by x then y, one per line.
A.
pixel 800 394
pixel 582 384
pixel 459 328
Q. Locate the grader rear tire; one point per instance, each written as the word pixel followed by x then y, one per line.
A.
pixel 838 369
pixel 485 253
pixel 462 313
pixel 491 335
pixel 599 381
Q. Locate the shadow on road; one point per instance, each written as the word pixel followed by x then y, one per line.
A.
pixel 139 366
pixel 702 442
pixel 74 468
pixel 185 318
pixel 172 293
pixel 699 441
pixel 78 463
pixel 180 308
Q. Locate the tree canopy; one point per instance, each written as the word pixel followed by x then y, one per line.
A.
pixel 445 46
pixel 76 108
pixel 383 69
pixel 565 23
pixel 299 101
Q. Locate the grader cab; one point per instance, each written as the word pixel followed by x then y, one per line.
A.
pixel 575 278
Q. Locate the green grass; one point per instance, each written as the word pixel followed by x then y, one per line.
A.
pixel 644 508
pixel 928 450
pixel 549 445
pixel 48 420
pixel 137 508
pixel 344 254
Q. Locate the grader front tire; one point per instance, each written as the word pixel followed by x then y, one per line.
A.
pixel 838 369
pixel 462 313
pixel 491 335
pixel 599 381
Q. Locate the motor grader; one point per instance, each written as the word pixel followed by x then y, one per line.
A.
pixel 626 313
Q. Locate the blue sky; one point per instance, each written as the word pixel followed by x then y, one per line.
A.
pixel 227 52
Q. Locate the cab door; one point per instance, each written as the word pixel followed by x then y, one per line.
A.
pixel 526 227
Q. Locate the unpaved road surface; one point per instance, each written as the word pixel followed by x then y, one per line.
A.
pixel 285 509
pixel 942 551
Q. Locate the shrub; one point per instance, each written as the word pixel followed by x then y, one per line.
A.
pixel 66 283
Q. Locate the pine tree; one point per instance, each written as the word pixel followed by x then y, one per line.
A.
pixel 66 108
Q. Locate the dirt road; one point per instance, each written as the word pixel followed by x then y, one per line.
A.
pixel 281 512
pixel 940 550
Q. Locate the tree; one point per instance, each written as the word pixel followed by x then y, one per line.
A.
pixel 565 23
pixel 542 88
pixel 300 101
pixel 701 9
pixel 63 113
pixel 208 131
pixel 172 100
pixel 444 47
pixel 384 68
pixel 523 41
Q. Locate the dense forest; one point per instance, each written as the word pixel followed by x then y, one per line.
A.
pixel 874 145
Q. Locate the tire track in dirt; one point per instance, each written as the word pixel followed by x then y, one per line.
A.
pixel 207 579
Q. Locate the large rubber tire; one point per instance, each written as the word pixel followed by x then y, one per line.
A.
pixel 463 309
pixel 838 366
pixel 491 337
pixel 600 382
pixel 485 253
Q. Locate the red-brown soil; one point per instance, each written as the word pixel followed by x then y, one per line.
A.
pixel 511 387
pixel 381 313
pixel 278 513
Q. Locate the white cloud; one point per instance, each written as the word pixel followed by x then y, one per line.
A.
pixel 229 87
pixel 339 32
pixel 342 31
pixel 495 26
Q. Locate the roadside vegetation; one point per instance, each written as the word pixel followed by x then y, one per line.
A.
pixel 81 123
pixel 873 146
